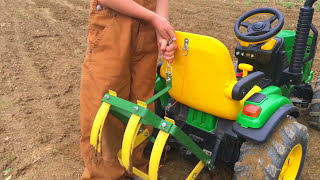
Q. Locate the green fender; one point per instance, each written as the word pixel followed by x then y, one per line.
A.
pixel 270 100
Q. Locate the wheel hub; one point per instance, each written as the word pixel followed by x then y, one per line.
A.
pixel 291 166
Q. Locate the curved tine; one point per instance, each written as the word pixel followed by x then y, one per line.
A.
pixel 272 19
pixel 245 24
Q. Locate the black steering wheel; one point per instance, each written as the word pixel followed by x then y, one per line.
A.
pixel 259 31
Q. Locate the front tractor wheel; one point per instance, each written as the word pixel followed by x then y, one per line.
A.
pixel 280 157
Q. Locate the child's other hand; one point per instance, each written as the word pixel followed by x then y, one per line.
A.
pixel 163 27
pixel 169 52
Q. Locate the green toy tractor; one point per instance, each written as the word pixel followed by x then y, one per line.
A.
pixel 244 117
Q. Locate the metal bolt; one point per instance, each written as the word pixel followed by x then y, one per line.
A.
pixel 140 130
pixel 107 97
pixel 237 53
pixel 99 7
pixel 146 134
pixel 136 108
pixel 194 175
pixel 209 162
pixel 164 125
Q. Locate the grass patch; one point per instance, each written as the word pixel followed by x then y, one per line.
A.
pixel 318 6
pixel 263 1
pixel 287 4
pixel 4 104
pixel 249 2
pixel 7 171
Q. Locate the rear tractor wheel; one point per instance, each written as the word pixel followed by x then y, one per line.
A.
pixel 280 157
pixel 315 107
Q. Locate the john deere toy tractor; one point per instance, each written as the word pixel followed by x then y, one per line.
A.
pixel 241 117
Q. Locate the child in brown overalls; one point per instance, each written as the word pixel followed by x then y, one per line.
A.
pixel 122 56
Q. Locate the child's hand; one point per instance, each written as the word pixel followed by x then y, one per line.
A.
pixel 169 53
pixel 163 27
pixel 166 51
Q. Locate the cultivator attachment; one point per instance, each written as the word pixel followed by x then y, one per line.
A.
pixel 136 115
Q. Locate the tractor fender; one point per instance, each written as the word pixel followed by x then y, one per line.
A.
pixel 261 135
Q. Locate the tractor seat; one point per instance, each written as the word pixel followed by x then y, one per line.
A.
pixel 207 75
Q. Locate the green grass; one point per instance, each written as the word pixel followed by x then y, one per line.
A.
pixel 4 104
pixel 287 4
pixel 12 157
pixel 7 171
pixel 249 2
pixel 263 1
pixel 318 6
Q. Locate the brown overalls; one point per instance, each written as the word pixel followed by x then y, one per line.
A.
pixel 121 56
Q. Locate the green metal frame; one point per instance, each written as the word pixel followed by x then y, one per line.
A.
pixel 159 86
pixel 123 110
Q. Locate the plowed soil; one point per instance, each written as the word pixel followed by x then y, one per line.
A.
pixel 42 47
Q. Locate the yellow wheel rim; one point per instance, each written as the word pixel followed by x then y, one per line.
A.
pixel 292 164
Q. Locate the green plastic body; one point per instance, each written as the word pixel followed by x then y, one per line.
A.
pixel 201 120
pixel 273 101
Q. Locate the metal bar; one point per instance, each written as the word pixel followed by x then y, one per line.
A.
pixel 163 91
pixel 121 116
pixel 183 138
pixel 159 94
pixel 124 106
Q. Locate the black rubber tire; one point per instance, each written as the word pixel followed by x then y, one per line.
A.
pixel 265 161
pixel 315 107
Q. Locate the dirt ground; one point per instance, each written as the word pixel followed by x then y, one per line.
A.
pixel 42 47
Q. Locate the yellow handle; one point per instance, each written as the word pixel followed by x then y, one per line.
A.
pixel 245 69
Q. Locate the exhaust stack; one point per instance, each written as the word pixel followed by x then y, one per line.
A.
pixel 300 42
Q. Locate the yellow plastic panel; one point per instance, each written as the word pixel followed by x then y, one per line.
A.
pixel 269 45
pixel 209 70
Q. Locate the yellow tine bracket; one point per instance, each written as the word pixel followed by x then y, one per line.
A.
pixel 139 139
pixel 112 93
pixel 157 150
pixel 96 131
pixel 196 171
pixel 141 103
pixel 129 137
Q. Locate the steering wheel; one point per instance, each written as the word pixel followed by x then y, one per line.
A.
pixel 259 31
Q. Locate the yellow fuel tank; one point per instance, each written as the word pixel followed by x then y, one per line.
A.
pixel 206 71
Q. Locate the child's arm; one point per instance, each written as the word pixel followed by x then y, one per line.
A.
pixel 133 9
pixel 166 51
